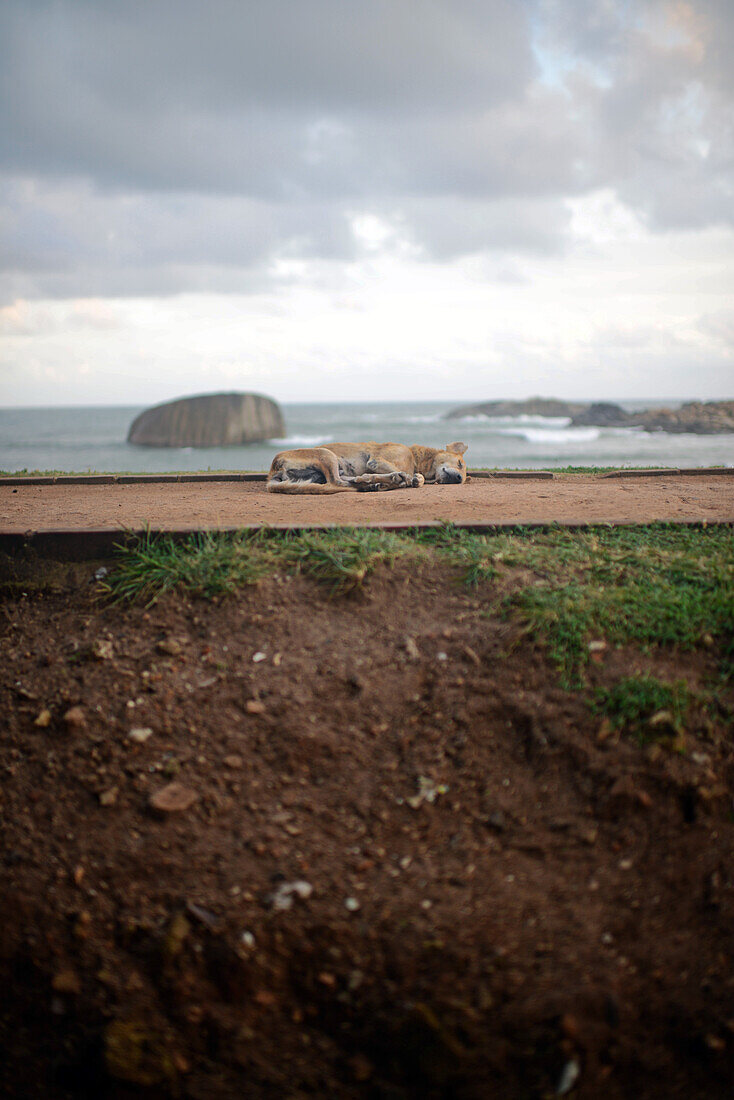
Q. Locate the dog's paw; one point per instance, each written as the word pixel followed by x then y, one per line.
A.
pixel 365 484
pixel 417 480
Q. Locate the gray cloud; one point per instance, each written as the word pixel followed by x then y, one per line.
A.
pixel 157 147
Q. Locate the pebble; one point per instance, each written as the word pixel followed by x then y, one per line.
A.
pixel 352 904
pixel 66 981
pixel 233 762
pixel 569 1077
pixel 140 734
pixel 254 706
pixel 75 718
pixel 282 898
pixel 173 798
pixel 103 649
pixel 109 797
pixel 411 648
pixel 169 646
pixel 44 719
pixel 259 656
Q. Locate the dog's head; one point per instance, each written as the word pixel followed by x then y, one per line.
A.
pixel 448 467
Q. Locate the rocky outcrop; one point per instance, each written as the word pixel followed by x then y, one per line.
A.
pixel 699 417
pixel 603 414
pixel 210 420
pixel 534 406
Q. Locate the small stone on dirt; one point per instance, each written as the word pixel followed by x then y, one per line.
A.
pixel 411 648
pixel 351 905
pixel 254 706
pixel 169 646
pixel 173 798
pixel 103 649
pixel 428 791
pixel 282 898
pixel 662 719
pixel 75 718
pixel 109 797
pixel 66 981
pixel 140 734
pixel 259 656
pixel 44 719
pixel 233 762
pixel 569 1077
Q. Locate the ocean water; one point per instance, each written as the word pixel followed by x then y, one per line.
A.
pixel 94 439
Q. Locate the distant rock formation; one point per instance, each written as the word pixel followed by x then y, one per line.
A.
pixel 210 420
pixel 698 417
pixel 702 418
pixel 534 406
pixel 603 414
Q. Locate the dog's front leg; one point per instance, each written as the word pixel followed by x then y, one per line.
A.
pixel 372 483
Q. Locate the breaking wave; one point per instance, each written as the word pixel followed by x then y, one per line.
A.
pixel 551 435
pixel 299 441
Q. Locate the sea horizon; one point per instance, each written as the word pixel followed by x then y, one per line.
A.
pixel 93 438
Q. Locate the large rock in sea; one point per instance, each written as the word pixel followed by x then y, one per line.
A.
pixel 211 420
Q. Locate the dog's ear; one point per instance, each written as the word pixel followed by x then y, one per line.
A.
pixel 457 448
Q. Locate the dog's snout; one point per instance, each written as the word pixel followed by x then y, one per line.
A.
pixel 449 476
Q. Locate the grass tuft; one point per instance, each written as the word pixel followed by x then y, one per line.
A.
pixel 631 703
pixel 206 563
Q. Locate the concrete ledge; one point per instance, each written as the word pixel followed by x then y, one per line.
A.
pixel 708 470
pixel 152 479
pixel 670 471
pixel 526 475
pixel 85 479
pixel 79 544
pixel 127 479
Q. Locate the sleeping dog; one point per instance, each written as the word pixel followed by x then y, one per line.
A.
pixel 365 467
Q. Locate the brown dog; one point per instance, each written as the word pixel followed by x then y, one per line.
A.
pixel 365 467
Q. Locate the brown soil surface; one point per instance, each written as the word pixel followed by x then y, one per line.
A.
pixel 567 499
pixel 397 868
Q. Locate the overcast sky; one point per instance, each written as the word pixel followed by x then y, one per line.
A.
pixel 365 199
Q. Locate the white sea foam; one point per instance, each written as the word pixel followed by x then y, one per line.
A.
pixel 299 441
pixel 549 435
pixel 513 421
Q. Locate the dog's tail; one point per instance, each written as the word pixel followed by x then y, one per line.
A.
pixel 312 488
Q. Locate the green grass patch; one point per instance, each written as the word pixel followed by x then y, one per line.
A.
pixel 648 586
pixel 631 704
pixel 341 560
pixel 215 563
pixel 207 564
pixel 642 586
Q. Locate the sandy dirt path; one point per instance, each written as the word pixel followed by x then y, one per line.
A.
pixel 565 499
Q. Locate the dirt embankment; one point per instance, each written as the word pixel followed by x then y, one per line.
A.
pixel 400 860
